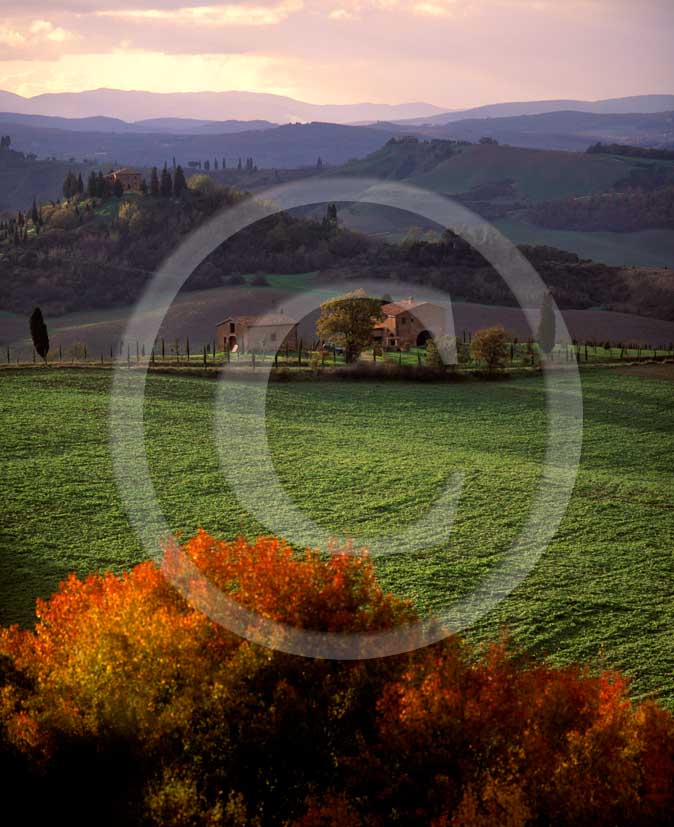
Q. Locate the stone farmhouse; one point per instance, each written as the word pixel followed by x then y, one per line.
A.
pixel 129 179
pixel 257 333
pixel 406 323
pixel 409 323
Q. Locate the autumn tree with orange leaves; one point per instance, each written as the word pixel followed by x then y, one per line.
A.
pixel 125 705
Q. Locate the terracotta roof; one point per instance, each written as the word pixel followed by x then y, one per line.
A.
pixel 263 320
pixel 394 308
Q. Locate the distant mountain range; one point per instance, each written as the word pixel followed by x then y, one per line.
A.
pixel 201 107
pixel 102 123
pixel 218 106
pixel 637 104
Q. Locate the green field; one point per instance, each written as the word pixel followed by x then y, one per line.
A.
pixel 537 174
pixel 371 457
pixel 647 248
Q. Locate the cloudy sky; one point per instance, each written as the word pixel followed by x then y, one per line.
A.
pixel 447 52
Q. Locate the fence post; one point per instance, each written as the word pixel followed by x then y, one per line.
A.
pixel 299 355
pixel 187 348
pixel 163 351
pixel 85 353
pixel 128 355
pixel 205 359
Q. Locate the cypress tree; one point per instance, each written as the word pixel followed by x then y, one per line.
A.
pixel 154 182
pixel 546 324
pixel 92 187
pixel 179 182
pixel 166 185
pixel 39 334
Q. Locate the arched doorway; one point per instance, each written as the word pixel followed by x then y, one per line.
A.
pixel 423 337
pixel 231 344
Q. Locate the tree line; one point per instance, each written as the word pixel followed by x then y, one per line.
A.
pixel 622 212
pixel 631 151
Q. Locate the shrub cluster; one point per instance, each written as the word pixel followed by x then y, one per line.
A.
pixel 127 706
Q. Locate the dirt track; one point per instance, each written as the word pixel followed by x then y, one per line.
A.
pixel 663 372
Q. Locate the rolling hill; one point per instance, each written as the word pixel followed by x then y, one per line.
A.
pixel 566 130
pixel 524 175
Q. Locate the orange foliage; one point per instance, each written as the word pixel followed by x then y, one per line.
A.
pixel 216 730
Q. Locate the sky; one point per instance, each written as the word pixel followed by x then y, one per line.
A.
pixel 450 53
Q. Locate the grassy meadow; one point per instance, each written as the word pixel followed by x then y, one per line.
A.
pixel 370 458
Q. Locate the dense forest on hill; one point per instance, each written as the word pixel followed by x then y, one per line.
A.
pixel 621 212
pixel 629 151
pixel 85 252
pixel 641 200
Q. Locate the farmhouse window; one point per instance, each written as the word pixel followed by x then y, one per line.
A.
pixel 232 327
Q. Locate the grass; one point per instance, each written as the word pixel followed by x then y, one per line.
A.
pixel 291 282
pixel 538 174
pixel 654 248
pixel 369 458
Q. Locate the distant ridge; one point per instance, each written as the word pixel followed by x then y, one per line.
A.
pixel 102 123
pixel 636 104
pixel 219 106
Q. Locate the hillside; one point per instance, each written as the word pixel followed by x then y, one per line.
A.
pixel 567 130
pixel 616 211
pixel 23 178
pixel 518 174
pixel 91 253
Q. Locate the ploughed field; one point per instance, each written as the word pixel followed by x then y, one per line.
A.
pixel 369 459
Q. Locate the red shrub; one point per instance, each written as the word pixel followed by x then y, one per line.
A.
pixel 201 727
